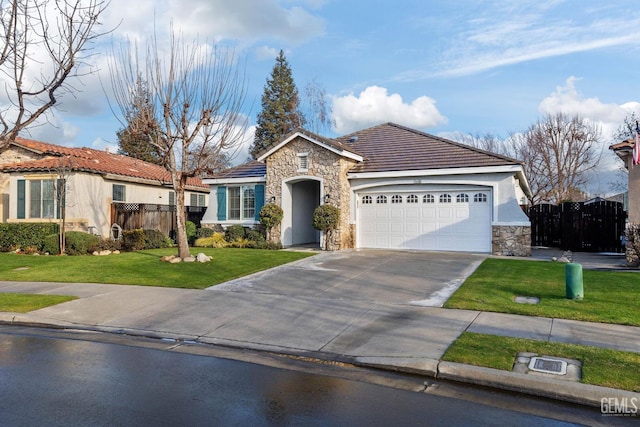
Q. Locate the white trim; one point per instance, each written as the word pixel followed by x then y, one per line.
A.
pixel 511 224
pixel 342 153
pixel 231 181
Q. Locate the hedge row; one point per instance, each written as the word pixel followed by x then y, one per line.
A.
pixel 25 235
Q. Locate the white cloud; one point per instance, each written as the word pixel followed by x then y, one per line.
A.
pixel 244 20
pixel 266 52
pixel 567 99
pixel 374 106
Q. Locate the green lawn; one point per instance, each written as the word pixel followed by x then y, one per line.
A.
pixel 609 297
pixel 600 366
pixel 144 267
pixel 23 303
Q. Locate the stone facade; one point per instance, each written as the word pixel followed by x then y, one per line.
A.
pixel 511 240
pixel 322 164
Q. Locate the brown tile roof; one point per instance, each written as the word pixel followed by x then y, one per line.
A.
pixel 392 147
pixel 628 144
pixel 90 160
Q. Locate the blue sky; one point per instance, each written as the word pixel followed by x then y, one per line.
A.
pixel 443 67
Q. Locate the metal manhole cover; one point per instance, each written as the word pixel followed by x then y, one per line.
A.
pixel 548 365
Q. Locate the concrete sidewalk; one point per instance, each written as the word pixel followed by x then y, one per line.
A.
pixel 391 336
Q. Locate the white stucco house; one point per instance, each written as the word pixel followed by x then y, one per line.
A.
pixel 396 187
pixel 93 182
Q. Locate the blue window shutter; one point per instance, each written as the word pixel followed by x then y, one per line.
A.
pixel 21 199
pixel 259 194
pixel 222 203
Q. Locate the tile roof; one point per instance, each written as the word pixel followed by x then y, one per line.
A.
pixel 391 147
pixel 90 160
pixel 246 170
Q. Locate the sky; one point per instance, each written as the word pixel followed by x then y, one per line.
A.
pixel 440 66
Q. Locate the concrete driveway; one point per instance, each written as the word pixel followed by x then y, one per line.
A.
pixel 391 277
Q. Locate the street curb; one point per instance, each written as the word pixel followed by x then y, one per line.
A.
pixel 583 394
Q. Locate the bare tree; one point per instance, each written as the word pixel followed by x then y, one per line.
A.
pixel 42 45
pixel 317 109
pixel 194 115
pixel 558 151
pixel 487 142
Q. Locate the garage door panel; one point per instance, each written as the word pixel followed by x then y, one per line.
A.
pixel 430 224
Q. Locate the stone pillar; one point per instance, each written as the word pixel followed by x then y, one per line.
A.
pixel 511 240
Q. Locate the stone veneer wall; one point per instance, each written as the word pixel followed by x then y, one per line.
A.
pixel 511 240
pixel 321 163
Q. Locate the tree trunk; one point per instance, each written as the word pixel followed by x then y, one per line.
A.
pixel 181 229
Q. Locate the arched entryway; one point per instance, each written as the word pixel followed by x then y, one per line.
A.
pixel 300 197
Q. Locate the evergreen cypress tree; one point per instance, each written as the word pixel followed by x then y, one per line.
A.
pixel 280 108
pixel 140 116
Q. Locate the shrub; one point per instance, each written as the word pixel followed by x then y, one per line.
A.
pixel 190 229
pixel 109 245
pixel 133 240
pixel 217 240
pixel 255 236
pixel 234 232
pixel 79 243
pixel 23 235
pixel 154 239
pixel 271 215
pixel 205 232
pixel 51 244
pixel 273 245
pixel 240 243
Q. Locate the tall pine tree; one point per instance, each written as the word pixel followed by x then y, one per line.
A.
pixel 136 143
pixel 280 108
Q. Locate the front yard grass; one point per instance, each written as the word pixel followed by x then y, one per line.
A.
pixel 600 366
pixel 23 303
pixel 144 267
pixel 609 297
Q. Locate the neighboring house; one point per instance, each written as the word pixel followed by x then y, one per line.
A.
pixel 33 174
pixel 397 188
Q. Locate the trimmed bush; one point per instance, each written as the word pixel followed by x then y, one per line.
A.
pixel 271 215
pixel 205 232
pixel 255 236
pixel 326 218
pixel 154 239
pixel 133 240
pixel 79 243
pixel 51 244
pixel 190 228
pixel 25 234
pixel 217 240
pixel 234 232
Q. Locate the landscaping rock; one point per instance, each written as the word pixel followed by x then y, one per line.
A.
pixel 116 252
pixel 564 259
pixel 175 260
pixel 203 258
pixel 189 259
pixel 167 258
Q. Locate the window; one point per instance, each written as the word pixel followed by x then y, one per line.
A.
pixel 412 198
pixel 172 198
pixel 303 161
pixel 445 198
pixel 249 203
pixel 42 199
pixel 202 200
pixel 367 200
pixel 381 199
pixel 396 198
pixel 193 199
pixel 119 193
pixel 428 198
pixel 241 203
pixel 480 198
pixel 462 198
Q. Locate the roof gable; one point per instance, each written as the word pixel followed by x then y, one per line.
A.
pixel 91 161
pixel 392 147
pixel 329 144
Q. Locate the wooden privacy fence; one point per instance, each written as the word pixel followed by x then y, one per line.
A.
pixel 581 227
pixel 130 216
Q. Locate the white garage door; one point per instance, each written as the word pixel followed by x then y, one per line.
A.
pixel 430 220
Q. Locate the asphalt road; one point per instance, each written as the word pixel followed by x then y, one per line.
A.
pixel 58 378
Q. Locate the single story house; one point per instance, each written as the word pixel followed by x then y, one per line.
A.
pixel 37 179
pixel 396 188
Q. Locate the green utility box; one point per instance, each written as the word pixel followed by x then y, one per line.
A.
pixel 574 286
